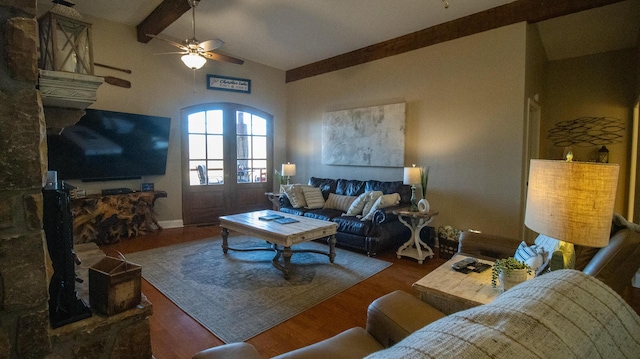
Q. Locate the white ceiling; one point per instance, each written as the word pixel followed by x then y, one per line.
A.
pixel 286 34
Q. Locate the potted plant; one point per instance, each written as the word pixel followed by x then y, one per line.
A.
pixel 509 271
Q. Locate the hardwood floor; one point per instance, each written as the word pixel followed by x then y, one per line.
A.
pixel 176 335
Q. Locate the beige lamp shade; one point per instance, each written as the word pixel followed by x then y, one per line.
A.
pixel 288 169
pixel 411 175
pixel 572 201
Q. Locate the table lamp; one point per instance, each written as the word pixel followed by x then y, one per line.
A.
pixel 288 169
pixel 572 201
pixel 412 177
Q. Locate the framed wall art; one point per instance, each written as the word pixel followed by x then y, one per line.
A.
pixel 369 136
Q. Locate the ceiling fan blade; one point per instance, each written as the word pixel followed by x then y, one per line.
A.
pixel 210 45
pixel 172 53
pixel 221 57
pixel 170 40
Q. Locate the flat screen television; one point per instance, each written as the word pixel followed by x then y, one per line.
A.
pixel 108 145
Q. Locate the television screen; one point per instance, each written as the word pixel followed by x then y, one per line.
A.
pixel 107 145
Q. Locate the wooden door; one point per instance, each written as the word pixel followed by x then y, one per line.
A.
pixel 227 152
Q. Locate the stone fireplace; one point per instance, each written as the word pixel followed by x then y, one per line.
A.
pixel 25 331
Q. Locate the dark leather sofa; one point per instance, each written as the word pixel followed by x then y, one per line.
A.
pixel 372 236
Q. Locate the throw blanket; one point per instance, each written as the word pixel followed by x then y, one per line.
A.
pixel 563 314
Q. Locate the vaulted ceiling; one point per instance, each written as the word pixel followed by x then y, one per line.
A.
pixel 308 37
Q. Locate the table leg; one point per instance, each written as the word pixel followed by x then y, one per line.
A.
pixel 225 241
pixel 332 248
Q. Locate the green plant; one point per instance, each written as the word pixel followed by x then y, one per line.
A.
pixel 506 265
pixel 280 178
pixel 424 179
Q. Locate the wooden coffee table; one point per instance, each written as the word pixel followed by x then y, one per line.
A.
pixel 450 291
pixel 281 237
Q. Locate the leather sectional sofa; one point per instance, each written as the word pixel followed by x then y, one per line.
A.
pixel 373 235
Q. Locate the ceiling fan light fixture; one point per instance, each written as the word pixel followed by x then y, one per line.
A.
pixel 193 61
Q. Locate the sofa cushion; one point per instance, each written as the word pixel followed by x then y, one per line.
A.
pixel 336 201
pixel 326 185
pixel 551 245
pixel 358 205
pixel 390 187
pixel 384 201
pixel 350 187
pixel 353 225
pixel 533 255
pixel 371 200
pixel 313 197
pixel 294 194
pixel 323 214
pixel 296 211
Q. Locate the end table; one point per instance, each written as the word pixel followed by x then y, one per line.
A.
pixel 414 246
pixel 275 199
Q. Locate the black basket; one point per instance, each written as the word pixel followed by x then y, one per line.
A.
pixel 447 247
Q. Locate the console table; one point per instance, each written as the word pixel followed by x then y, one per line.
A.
pixel 110 218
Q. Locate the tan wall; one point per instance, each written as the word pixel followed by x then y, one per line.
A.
pixel 161 86
pixel 464 119
pixel 601 85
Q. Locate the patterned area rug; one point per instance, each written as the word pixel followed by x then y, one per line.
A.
pixel 239 295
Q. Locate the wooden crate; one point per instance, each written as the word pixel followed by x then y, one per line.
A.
pixel 447 247
pixel 114 285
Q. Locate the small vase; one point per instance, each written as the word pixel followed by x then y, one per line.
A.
pixel 423 206
pixel 514 278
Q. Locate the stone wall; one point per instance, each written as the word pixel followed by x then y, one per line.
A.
pixel 25 331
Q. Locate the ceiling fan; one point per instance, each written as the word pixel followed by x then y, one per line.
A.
pixel 194 53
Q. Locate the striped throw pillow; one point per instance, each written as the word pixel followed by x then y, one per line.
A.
pixel 313 197
pixel 341 202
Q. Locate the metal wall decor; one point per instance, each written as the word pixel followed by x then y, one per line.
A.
pixel 587 131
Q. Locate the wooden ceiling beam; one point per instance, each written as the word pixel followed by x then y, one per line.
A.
pixel 164 15
pixel 531 11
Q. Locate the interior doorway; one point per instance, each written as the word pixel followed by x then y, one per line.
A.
pixel 532 151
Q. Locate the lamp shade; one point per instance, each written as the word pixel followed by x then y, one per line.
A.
pixel 412 175
pixel 193 61
pixel 288 169
pixel 572 201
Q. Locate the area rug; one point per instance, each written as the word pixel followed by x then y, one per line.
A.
pixel 239 295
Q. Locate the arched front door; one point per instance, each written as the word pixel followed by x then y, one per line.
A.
pixel 227 152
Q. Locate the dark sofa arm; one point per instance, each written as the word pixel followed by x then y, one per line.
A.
pixel 283 201
pixel 385 215
pixel 487 246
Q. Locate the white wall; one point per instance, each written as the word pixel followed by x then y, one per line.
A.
pixel 464 119
pixel 161 86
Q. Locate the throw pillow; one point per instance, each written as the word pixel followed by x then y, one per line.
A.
pixel 357 205
pixel 294 194
pixel 313 196
pixel 551 245
pixel 371 199
pixel 336 201
pixel 531 255
pixel 384 201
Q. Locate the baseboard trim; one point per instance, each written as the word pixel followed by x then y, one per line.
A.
pixel 177 223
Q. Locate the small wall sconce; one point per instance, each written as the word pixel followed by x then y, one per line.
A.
pixel 288 169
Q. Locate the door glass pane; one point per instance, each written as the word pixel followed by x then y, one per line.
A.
pixel 197 147
pixel 196 122
pixel 206 147
pixel 259 147
pixel 258 126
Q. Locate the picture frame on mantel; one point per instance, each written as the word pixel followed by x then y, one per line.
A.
pixel 369 136
pixel 225 83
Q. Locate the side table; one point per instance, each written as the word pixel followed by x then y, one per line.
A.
pixel 414 246
pixel 275 199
